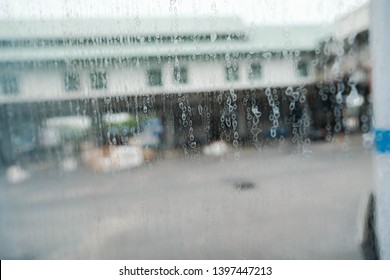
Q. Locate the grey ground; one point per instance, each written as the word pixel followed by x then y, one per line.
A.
pixel 302 206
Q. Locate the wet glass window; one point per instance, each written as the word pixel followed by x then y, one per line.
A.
pixel 154 77
pixel 180 75
pixel 9 84
pixel 98 80
pixel 72 81
pixel 255 71
pixel 187 129
pixel 232 71
pixel 303 69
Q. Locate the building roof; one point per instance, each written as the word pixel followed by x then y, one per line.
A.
pixel 78 28
pixel 294 37
pixel 253 39
pixel 353 23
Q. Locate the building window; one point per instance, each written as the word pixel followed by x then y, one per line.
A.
pixel 255 71
pixel 154 77
pixel 99 80
pixel 180 75
pixel 303 70
pixel 9 84
pixel 232 72
pixel 72 81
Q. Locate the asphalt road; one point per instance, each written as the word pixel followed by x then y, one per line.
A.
pixel 269 203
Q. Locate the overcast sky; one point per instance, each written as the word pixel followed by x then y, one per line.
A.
pixel 252 11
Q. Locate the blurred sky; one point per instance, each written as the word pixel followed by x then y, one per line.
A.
pixel 251 11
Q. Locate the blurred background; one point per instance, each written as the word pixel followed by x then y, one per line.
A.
pixel 184 129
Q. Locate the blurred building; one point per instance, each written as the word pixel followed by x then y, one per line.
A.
pixel 344 73
pixel 204 78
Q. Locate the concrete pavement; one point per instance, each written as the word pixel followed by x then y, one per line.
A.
pixel 302 206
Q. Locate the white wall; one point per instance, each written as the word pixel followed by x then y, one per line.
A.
pixel 202 76
pixel 41 84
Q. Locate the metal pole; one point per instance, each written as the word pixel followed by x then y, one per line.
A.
pixel 380 51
